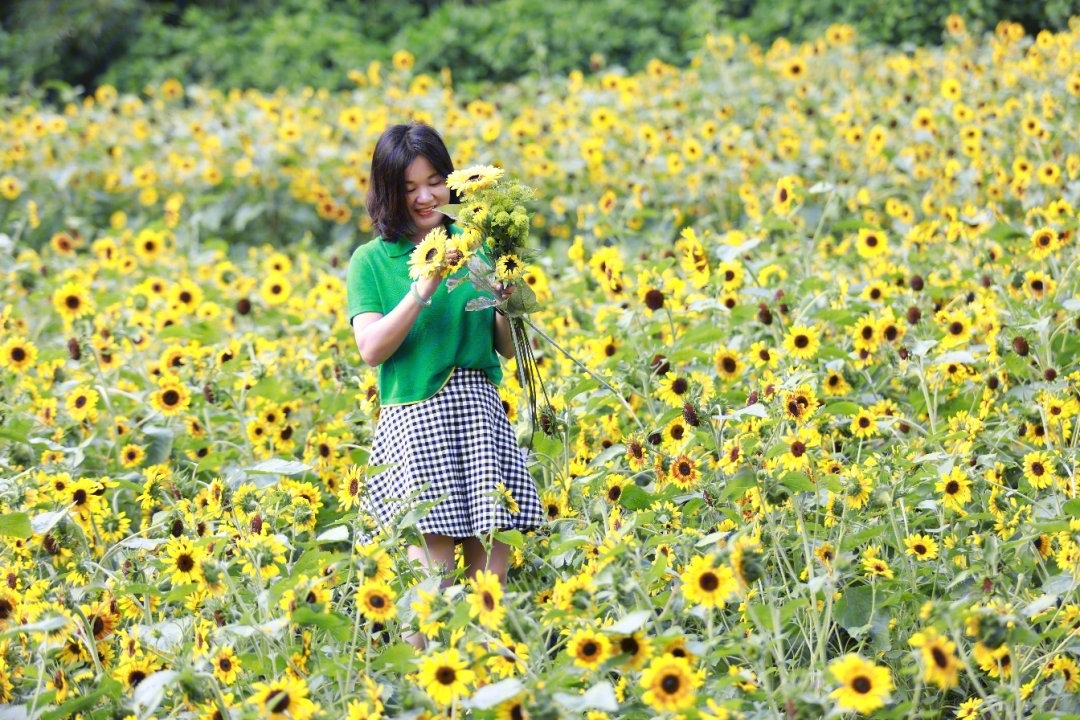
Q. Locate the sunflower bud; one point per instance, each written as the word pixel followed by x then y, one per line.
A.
pixel 1050 374
pixel 243 306
pixel 660 365
pixel 751 567
pixel 992 631
pixel 1020 346
pixel 208 393
pixel 655 438
pixel 914 315
pixel 73 349
pixel 256 524
pixel 917 283
pixel 764 315
pixel 690 415
pixel 753 398
pixel 177 528
pixel 903 353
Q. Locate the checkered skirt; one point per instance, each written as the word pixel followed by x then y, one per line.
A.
pixel 458 444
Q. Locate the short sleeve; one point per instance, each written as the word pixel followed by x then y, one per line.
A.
pixel 362 292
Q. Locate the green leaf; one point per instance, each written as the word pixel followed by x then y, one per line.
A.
pixel 798 482
pixel 108 688
pixel 583 386
pixel 513 538
pixel 844 407
pixel 853 224
pixel 634 498
pixel 1072 507
pixel 338 625
pixel 1002 232
pixel 854 608
pixel 547 445
pixel 16 525
pixel 397 658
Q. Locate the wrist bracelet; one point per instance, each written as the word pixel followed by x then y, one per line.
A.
pixel 416 296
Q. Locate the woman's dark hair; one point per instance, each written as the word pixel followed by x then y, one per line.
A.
pixel 398 146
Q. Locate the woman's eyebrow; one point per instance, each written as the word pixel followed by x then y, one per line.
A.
pixel 435 174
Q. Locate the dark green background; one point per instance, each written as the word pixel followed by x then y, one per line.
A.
pixel 292 43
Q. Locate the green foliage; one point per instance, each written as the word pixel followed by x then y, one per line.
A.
pixel 267 44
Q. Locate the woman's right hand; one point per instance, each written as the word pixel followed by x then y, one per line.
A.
pixel 427 286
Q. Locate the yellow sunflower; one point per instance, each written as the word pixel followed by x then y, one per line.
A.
pixel 445 676
pixel 509 267
pixel 72 301
pixel 283 699
pixel 706 584
pixel 670 684
pixel 428 256
pixel 939 658
pixel 475 178
pixel 864 687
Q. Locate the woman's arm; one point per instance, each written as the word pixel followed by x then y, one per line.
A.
pixel 379 336
pixel 504 341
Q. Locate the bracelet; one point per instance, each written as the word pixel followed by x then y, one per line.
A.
pixel 416 296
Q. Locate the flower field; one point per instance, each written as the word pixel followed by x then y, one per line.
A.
pixel 812 318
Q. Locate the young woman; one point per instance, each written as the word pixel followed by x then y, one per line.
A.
pixel 442 426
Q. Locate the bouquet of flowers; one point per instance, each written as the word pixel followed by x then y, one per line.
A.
pixel 493 248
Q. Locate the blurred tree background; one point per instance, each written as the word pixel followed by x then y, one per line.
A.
pixel 267 44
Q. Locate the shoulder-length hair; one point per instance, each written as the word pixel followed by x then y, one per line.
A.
pixel 398 146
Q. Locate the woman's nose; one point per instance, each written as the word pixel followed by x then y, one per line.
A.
pixel 423 194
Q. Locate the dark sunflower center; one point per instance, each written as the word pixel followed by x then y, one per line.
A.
pixel 79 497
pixel 589 649
pixel 225 664
pixel 135 677
pixel 629 646
pixel 783 191
pixel 489 602
pixel 277 701
pixel 861 685
pixel 679 386
pixel 684 468
pixel 798 448
pixel 729 364
pixel 80 402
pixel 72 302
pixel 670 684
pixel 170 398
pixel 801 341
pixel 940 658
pixel 185 563
pixel 920 549
pixel 709 582
pixel 867 332
pixel 952 487
pixel 18 354
pixel 956 327
pixel 864 422
pixel 1037 468
pixel 871 240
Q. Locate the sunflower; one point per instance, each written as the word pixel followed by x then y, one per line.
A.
pixel 673 389
pixel 1039 470
pixel 275 289
pixel 132 456
pixel 835 384
pixel 875 566
pixel 636 455
pixel 283 699
pixel 728 365
pixel 72 301
pixel 428 256
pixel 871 243
pixel 475 178
pixel 939 658
pixel 955 489
pixel 684 473
pixel 376 601
pixel 445 676
pixel 508 657
pixel 675 433
pixel 184 561
pixel 485 602
pixel 636 647
pixel 864 687
pixel 226 665
pixel 957 328
pixel 800 404
pixel 17 354
pixel 921 547
pixel 864 425
pixel 670 684
pixel 134 671
pixel 588 648
pixel 171 398
pixel 509 267
pixel 1044 242
pixel 802 342
pixel 706 584
pixel 82 403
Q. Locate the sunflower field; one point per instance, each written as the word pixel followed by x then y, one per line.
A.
pixel 810 342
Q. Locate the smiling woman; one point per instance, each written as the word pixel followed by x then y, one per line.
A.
pixel 442 431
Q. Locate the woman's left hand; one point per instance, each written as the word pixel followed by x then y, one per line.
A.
pixel 503 292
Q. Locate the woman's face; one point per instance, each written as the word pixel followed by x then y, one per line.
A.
pixel 425 190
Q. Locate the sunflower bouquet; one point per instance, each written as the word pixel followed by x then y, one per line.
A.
pixel 493 247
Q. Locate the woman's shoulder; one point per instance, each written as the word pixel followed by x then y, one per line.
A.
pixel 366 252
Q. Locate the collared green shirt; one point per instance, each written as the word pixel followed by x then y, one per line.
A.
pixel 445 336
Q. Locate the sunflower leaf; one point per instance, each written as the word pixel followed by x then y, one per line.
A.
pixel 16 525
pixel 491 695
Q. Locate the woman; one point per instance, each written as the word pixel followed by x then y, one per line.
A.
pixel 442 425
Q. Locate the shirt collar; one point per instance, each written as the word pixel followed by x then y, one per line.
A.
pixel 399 247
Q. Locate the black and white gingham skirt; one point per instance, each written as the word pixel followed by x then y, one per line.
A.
pixel 457 443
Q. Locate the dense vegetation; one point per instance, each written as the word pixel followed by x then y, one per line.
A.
pixel 292 43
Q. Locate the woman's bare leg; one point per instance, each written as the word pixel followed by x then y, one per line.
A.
pixel 477 558
pixel 436 558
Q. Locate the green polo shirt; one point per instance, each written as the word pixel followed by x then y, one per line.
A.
pixel 445 336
